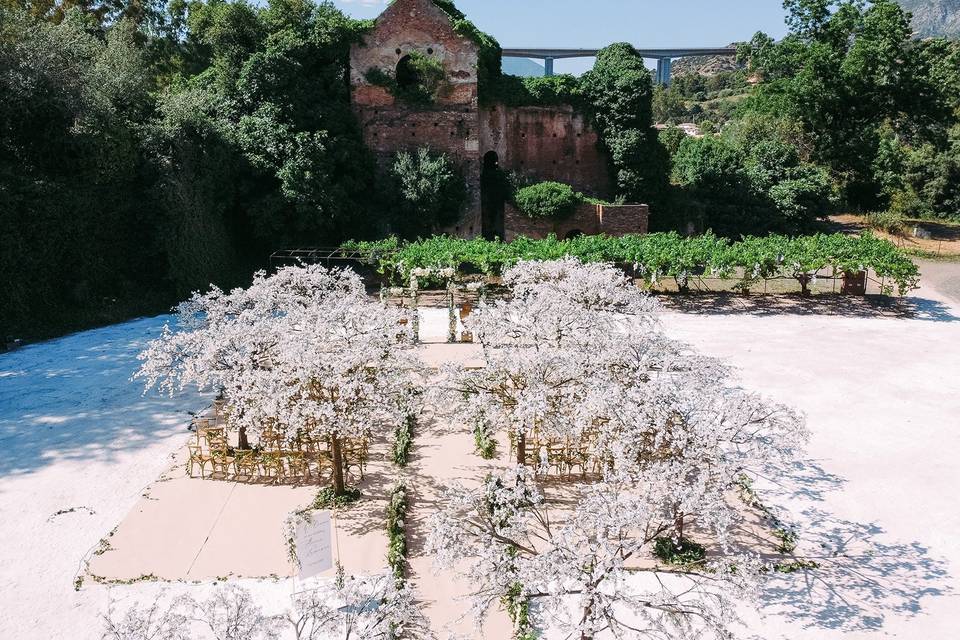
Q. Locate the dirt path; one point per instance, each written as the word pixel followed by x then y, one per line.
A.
pixel 942 276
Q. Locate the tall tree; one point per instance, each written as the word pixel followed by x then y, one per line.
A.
pixel 844 70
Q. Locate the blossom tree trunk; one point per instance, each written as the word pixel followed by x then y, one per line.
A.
pixel 336 451
pixel 521 448
pixel 587 612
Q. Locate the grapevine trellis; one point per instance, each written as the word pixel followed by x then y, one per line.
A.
pixel 654 258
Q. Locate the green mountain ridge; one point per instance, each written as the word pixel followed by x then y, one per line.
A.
pixel 934 17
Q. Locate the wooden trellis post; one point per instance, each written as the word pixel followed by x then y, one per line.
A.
pixel 451 312
pixel 414 299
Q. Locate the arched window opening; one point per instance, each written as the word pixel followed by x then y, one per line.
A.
pixel 407 75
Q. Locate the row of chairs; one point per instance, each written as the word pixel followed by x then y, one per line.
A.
pixel 252 465
pixel 562 456
pixel 275 459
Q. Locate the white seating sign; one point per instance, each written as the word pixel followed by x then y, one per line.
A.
pixel 314 550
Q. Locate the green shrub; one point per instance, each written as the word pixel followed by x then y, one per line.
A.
pixel 686 553
pixel 431 192
pixel 890 221
pixel 514 91
pixel 547 200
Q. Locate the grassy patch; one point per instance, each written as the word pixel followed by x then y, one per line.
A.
pixel 327 499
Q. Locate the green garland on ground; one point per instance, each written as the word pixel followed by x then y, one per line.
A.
pixel 686 553
pixel 486 446
pixel 402 441
pixel 396 531
pixel 658 255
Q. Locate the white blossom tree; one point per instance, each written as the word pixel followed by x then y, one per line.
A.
pixel 370 607
pixel 231 613
pixel 576 350
pixel 583 562
pixel 305 349
pixel 566 343
pixel 151 622
pixel 362 607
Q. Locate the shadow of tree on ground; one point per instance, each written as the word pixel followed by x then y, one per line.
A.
pixel 861 579
pixel 72 399
pixel 909 307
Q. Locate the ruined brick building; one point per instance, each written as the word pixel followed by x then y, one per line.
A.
pixel 543 143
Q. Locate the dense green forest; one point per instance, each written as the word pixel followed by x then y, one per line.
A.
pixel 148 148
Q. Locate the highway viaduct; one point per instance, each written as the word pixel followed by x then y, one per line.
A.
pixel 664 57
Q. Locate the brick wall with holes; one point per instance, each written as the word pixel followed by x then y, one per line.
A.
pixel 544 143
pixel 450 125
pixel 547 143
pixel 587 219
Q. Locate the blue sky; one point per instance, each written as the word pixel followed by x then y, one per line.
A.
pixel 595 23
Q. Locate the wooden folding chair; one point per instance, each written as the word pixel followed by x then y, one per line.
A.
pixel 246 464
pixel 197 457
pixel 355 452
pixel 221 462
pixel 297 465
pixel 272 465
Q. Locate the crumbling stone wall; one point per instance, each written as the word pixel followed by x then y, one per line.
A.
pixel 544 143
pixel 587 219
pixel 450 125
pixel 547 143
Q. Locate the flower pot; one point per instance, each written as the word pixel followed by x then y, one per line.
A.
pixel 854 283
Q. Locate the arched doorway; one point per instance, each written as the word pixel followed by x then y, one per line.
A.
pixel 406 74
pixel 494 189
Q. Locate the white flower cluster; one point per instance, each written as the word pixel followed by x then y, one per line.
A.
pixel 373 607
pixel 441 272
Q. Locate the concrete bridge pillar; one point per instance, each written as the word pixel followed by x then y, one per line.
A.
pixel 664 66
pixel 548 67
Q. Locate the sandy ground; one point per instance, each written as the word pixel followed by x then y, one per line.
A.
pixel 875 497
pixel 944 277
